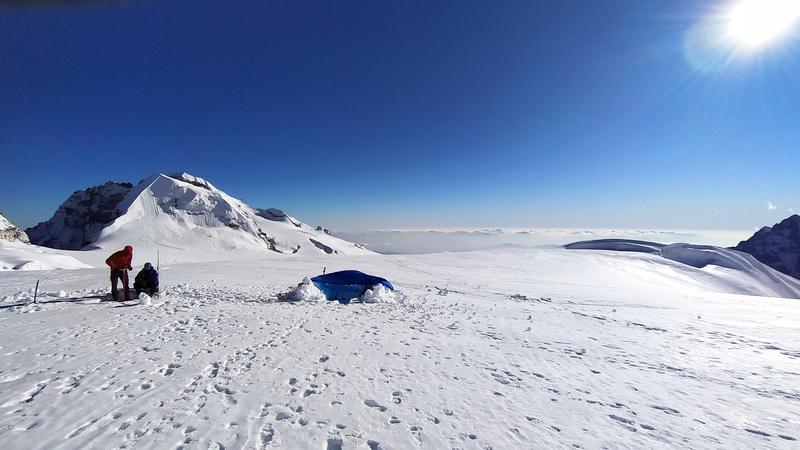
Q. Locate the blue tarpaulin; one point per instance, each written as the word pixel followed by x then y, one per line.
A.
pixel 347 284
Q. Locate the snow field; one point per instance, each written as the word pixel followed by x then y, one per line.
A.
pixel 512 349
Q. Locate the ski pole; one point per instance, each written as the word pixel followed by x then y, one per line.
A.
pixel 36 291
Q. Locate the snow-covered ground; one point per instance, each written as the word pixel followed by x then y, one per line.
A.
pixel 547 348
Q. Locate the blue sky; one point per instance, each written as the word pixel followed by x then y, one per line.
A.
pixel 375 114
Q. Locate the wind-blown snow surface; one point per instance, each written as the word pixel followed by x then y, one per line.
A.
pixel 741 271
pixel 16 252
pixel 507 349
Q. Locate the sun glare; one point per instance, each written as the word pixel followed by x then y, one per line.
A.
pixel 756 24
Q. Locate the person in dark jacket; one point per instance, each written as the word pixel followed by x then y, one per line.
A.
pixel 146 280
pixel 120 264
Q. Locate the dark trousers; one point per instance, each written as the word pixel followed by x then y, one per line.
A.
pixel 149 289
pixel 119 274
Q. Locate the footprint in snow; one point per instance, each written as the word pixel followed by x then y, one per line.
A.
pixel 333 444
pixel 267 435
pixel 627 423
pixel 666 409
pixel 758 432
pixel 169 369
pixel 282 416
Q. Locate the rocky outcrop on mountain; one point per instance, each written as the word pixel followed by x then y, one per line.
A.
pixel 278 216
pixel 79 220
pixel 193 180
pixel 8 232
pixel 324 230
pixel 777 246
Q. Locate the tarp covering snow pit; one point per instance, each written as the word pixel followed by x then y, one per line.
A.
pixel 347 284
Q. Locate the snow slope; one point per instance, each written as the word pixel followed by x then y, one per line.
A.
pixel 17 255
pixel 547 348
pixel 730 270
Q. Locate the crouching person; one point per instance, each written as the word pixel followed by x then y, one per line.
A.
pixel 146 281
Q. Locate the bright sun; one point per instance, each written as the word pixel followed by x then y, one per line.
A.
pixel 755 24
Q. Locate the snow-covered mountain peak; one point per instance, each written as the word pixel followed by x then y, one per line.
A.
pixel 169 205
pixel 184 215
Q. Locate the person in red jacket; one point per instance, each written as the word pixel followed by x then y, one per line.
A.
pixel 120 264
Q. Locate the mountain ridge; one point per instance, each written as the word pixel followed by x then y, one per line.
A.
pixel 777 246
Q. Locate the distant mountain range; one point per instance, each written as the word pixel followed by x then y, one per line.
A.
pixel 182 213
pixel 188 215
pixel 777 246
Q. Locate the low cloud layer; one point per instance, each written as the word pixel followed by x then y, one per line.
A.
pixel 421 241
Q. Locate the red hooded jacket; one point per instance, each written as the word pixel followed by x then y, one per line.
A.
pixel 121 259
